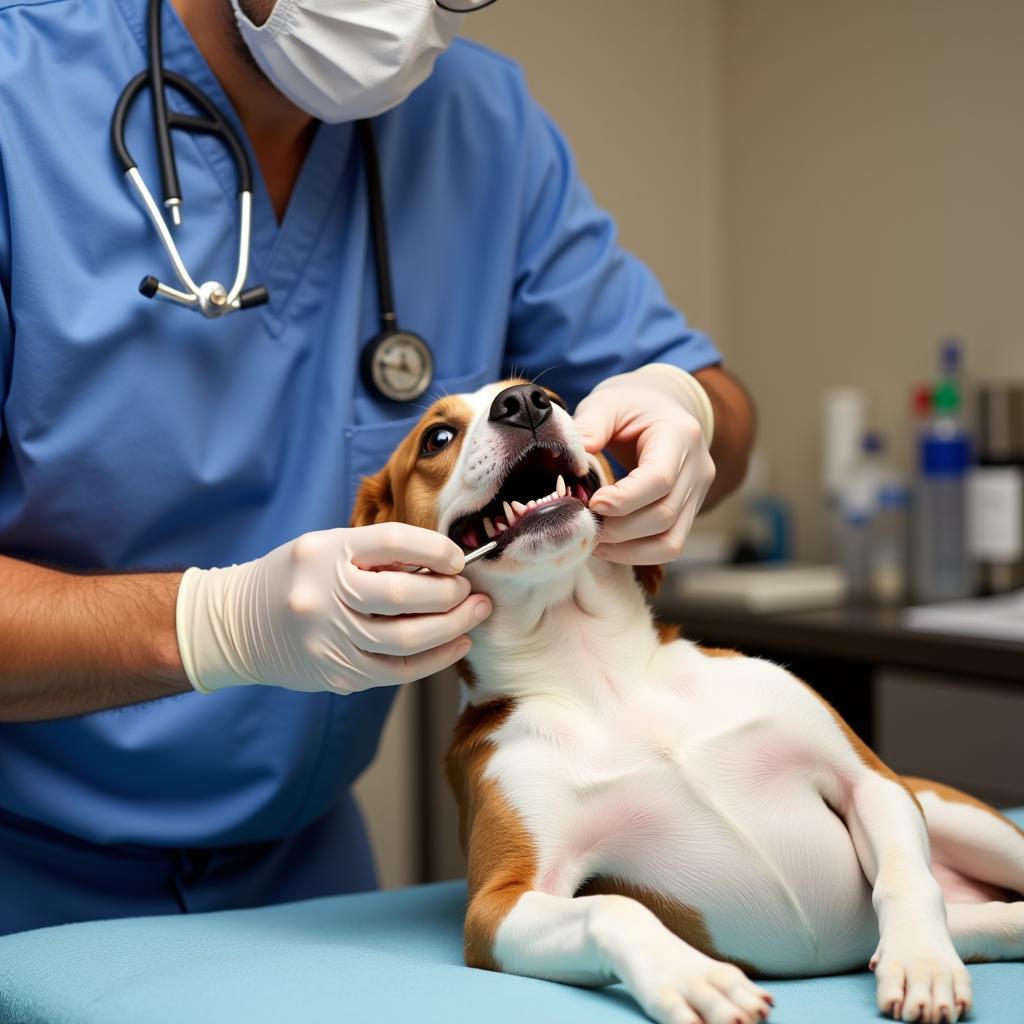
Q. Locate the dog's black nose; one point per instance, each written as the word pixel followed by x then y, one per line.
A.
pixel 522 405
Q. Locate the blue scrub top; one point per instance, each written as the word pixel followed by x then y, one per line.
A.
pixel 138 435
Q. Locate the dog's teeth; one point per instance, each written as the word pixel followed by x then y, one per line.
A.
pixel 519 507
pixel 489 528
pixel 501 527
pixel 509 514
pixel 531 503
pixel 560 486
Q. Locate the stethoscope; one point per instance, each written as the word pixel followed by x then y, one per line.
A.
pixel 395 364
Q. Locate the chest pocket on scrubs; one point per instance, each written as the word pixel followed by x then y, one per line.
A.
pixel 371 444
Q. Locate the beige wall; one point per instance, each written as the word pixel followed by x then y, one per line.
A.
pixel 873 184
pixel 637 98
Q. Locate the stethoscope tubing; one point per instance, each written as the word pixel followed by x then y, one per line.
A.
pixel 378 225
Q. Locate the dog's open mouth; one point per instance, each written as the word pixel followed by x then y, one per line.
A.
pixel 540 488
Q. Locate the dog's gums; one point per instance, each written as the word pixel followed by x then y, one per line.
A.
pixel 538 486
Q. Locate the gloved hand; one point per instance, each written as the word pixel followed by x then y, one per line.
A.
pixel 318 613
pixel 658 419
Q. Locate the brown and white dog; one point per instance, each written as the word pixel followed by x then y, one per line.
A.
pixel 636 808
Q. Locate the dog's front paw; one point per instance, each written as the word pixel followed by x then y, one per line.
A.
pixel 678 985
pixel 919 981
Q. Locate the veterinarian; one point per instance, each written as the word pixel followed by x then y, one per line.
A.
pixel 140 438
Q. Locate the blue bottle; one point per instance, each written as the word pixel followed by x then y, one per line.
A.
pixel 942 570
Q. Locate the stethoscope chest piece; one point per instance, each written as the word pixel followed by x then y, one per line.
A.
pixel 397 365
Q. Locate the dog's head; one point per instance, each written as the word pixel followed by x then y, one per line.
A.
pixel 504 463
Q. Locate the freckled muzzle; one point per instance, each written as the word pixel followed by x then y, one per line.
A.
pixel 540 490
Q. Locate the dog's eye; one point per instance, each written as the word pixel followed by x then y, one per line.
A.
pixel 437 438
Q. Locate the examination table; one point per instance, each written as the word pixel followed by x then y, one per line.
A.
pixel 391 956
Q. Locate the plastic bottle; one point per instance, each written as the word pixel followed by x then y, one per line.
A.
pixel 844 413
pixel 941 567
pixel 765 533
pixel 855 552
pixel 856 514
pixel 873 526
pixel 890 546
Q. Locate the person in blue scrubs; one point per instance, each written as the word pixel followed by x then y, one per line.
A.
pixel 138 440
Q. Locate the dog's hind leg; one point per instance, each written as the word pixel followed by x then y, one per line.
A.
pixel 976 852
pixel 987 931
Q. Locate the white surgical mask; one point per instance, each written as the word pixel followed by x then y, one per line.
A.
pixel 341 60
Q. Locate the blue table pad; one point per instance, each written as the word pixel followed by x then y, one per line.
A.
pixel 390 956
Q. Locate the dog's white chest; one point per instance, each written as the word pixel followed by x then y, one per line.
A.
pixel 700 791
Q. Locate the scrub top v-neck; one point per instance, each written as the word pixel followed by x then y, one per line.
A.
pixel 137 435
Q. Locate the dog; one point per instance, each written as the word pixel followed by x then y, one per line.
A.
pixel 638 809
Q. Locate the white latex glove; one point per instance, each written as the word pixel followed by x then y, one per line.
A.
pixel 658 419
pixel 318 613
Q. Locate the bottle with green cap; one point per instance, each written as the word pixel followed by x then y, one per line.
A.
pixel 942 569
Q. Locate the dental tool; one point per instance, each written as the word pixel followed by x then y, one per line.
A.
pixel 471 556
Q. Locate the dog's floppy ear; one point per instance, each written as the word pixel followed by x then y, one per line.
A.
pixel 649 577
pixel 375 502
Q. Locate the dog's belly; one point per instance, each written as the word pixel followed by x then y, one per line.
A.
pixel 733 826
pixel 777 883
pixel 710 799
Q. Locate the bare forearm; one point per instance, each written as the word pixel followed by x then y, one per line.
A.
pixel 734 431
pixel 71 644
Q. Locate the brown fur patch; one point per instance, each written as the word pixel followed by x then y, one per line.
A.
pixel 407 488
pixel 469 751
pixel 686 922
pixel 465 672
pixel 667 633
pixel 955 796
pixel 501 853
pixel 649 577
pixel 719 652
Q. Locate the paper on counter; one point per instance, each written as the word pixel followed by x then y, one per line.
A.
pixel 999 618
